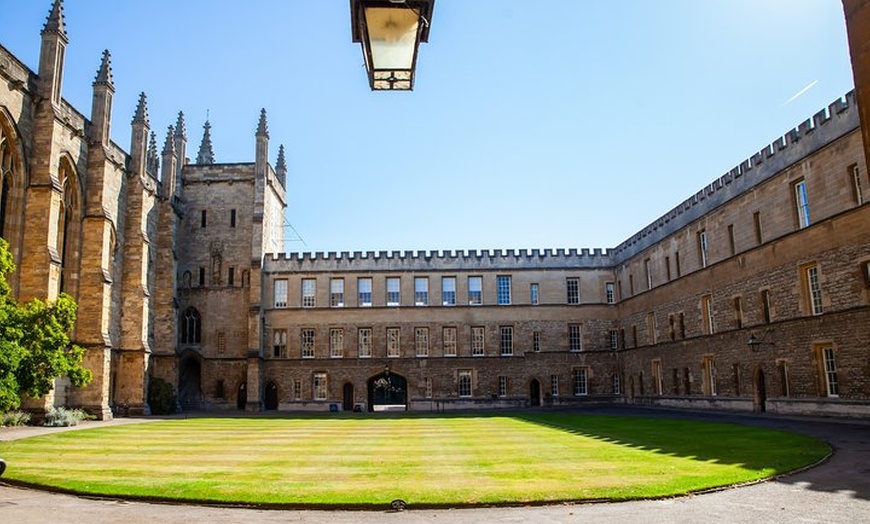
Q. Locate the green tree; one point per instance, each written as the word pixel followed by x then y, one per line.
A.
pixel 35 347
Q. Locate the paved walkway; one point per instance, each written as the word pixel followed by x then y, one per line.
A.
pixel 836 491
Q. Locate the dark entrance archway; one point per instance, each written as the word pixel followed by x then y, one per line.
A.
pixel 760 401
pixel 388 392
pixel 242 396
pixel 534 393
pixel 271 400
pixel 190 384
pixel 347 397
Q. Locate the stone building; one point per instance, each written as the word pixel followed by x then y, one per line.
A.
pixel 180 274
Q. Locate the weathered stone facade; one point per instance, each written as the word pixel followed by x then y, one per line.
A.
pixel 179 271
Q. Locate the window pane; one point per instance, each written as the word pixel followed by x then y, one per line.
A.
pixel 421 291
pixel 393 287
pixel 309 290
pixel 364 286
pixel 448 291
pixel 504 290
pixel 475 290
pixel 281 293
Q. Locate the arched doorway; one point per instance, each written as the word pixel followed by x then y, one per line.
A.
pixel 242 396
pixel 347 397
pixel 760 400
pixel 534 393
pixel 271 400
pixel 190 384
pixel 388 392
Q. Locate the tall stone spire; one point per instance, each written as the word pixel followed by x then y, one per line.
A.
pixel 262 128
pixel 103 94
pixel 153 160
pixel 141 115
pixel 180 141
pixel 139 141
pixel 180 129
pixel 169 174
pixel 51 55
pixel 281 166
pixel 55 24
pixel 206 153
pixel 104 74
pixel 169 143
pixel 261 157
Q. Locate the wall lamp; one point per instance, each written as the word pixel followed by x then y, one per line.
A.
pixel 390 32
pixel 756 343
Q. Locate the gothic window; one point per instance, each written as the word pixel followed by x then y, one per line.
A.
pixel 67 229
pixel 191 326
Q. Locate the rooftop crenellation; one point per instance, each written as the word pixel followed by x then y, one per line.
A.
pixel 831 123
pixel 440 260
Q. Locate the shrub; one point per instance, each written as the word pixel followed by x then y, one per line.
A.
pixel 62 417
pixel 14 418
pixel 161 397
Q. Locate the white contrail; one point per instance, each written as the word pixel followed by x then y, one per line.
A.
pixel 799 93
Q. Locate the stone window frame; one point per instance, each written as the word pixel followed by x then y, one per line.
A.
pixel 449 341
pixel 279 343
pixel 308 339
pixel 448 295
pixel 308 291
pixel 503 290
pixel 580 378
pixel 393 287
pixel 421 341
pixel 421 291
pixel 575 337
pixel 502 386
pixel 475 290
pixel 811 283
pixel 394 342
pixel 364 291
pixel 280 288
pixel 801 201
pixel 336 343
pixel 320 385
pixel 464 383
pixel 478 341
pixel 828 369
pixel 506 341
pixel 572 291
pixel 336 292
pixel 534 294
pixel 364 342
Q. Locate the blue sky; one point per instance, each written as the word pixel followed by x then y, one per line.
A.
pixel 533 124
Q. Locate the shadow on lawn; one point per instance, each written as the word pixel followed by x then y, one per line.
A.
pixel 753 442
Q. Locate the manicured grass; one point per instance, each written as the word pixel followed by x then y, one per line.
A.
pixel 425 460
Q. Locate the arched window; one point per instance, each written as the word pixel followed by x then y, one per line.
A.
pixel 191 327
pixel 9 184
pixel 67 225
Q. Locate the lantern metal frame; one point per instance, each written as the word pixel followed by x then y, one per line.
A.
pixel 390 79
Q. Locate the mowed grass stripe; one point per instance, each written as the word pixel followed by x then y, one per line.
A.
pixel 424 460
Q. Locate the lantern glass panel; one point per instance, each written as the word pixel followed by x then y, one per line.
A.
pixel 392 36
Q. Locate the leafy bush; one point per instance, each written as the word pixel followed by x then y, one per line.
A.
pixel 62 417
pixel 161 397
pixel 14 418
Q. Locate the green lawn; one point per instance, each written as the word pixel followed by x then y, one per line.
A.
pixel 426 460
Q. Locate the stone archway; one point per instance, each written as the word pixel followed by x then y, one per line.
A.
pixel 388 391
pixel 347 397
pixel 270 402
pixel 760 397
pixel 242 396
pixel 534 392
pixel 190 384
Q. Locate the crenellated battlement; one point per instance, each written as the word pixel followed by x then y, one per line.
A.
pixel 829 124
pixel 437 260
